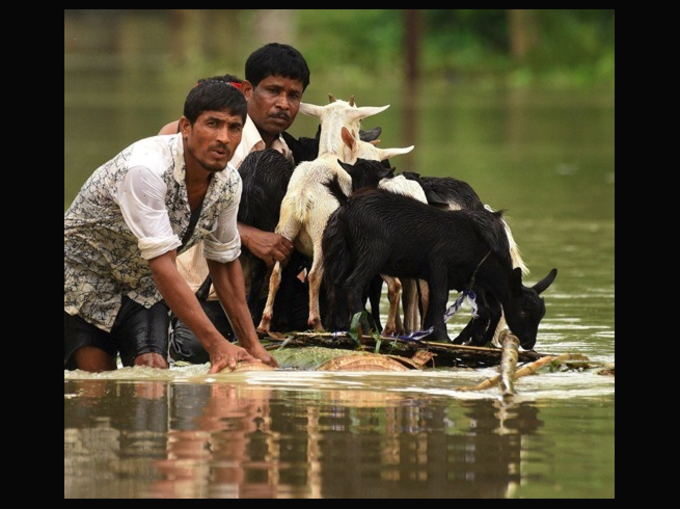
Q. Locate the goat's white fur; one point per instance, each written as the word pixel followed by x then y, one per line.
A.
pixel 308 204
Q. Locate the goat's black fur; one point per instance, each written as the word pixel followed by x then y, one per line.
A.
pixel 445 192
pixel 377 232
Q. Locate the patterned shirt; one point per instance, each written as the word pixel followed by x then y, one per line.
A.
pixel 134 208
pixel 191 264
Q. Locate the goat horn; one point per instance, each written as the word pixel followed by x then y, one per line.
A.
pixel 351 100
pixel 331 97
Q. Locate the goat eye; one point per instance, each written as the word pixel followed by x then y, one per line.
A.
pixel 522 314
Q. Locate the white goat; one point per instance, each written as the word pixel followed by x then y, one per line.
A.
pixel 307 205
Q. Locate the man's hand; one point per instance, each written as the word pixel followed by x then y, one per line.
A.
pixel 224 354
pixel 258 351
pixel 268 246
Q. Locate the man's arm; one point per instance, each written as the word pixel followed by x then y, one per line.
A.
pixel 182 301
pixel 227 279
pixel 267 246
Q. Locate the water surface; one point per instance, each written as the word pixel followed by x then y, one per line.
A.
pixel 546 157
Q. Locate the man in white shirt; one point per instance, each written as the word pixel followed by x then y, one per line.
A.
pixel 276 76
pixel 122 233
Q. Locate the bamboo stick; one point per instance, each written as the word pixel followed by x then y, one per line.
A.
pixel 524 370
pixel 510 345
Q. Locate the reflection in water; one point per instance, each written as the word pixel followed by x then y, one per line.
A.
pixel 545 156
pixel 231 440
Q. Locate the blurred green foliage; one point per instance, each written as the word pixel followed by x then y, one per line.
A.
pixel 567 47
pixel 574 46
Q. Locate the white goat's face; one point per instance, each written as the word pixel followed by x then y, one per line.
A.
pixel 340 110
pixel 333 117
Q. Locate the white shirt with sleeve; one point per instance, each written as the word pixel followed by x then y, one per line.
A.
pixel 134 208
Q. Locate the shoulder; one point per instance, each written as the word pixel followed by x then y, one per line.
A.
pixel 156 150
pixel 229 177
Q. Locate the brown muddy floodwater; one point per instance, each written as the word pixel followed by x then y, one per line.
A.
pixel 545 156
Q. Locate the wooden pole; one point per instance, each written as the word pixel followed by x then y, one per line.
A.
pixel 523 371
pixel 510 345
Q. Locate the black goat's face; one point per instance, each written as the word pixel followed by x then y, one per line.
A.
pixel 525 308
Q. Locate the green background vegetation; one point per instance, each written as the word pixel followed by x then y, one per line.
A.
pixel 507 47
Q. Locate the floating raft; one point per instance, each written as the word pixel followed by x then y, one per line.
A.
pixel 419 353
pixel 313 351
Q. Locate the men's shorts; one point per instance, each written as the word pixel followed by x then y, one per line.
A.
pixel 185 346
pixel 136 330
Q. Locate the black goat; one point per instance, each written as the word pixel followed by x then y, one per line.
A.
pixel 377 232
pixel 447 193
pixel 368 174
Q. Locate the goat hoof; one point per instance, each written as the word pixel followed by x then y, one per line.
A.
pixel 316 325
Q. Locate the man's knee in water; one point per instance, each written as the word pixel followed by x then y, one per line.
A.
pixel 151 360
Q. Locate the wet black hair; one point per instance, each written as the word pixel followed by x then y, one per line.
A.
pixel 230 78
pixel 275 59
pixel 214 95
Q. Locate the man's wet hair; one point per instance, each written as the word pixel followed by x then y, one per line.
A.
pixel 275 59
pixel 229 78
pixel 215 95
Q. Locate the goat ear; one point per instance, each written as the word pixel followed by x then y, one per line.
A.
pixel 347 138
pixel 516 281
pixel 347 167
pixel 370 135
pixel 545 282
pixel 386 172
pixel 290 140
pixel 311 110
pixel 433 197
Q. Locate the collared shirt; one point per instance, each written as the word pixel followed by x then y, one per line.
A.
pixel 191 264
pixel 252 141
pixel 133 208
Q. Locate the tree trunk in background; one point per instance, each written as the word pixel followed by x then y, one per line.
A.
pixel 411 77
pixel 275 25
pixel 523 32
pixel 221 38
pixel 186 35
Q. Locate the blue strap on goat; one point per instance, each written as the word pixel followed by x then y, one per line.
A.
pixel 468 295
pixel 471 299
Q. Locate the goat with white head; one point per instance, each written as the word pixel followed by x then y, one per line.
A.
pixel 307 205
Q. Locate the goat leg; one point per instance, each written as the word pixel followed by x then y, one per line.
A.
pixel 393 294
pixel 495 315
pixel 315 277
pixel 411 307
pixel 437 307
pixel 268 313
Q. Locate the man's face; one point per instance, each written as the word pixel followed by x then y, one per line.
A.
pixel 273 104
pixel 213 138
